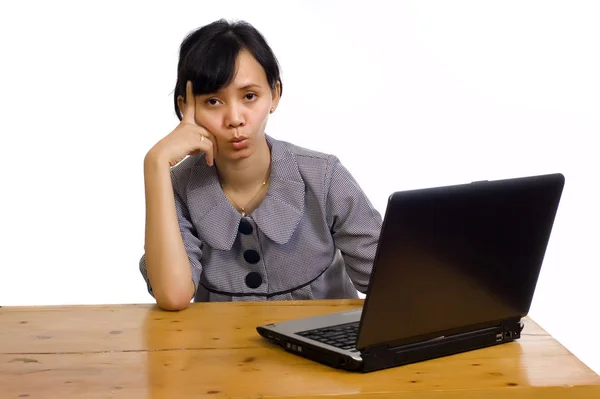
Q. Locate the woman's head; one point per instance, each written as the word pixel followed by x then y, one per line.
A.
pixel 208 55
pixel 236 85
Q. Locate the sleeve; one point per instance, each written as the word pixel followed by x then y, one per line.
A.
pixel 354 223
pixel 191 242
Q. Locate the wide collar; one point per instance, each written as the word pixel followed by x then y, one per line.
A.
pixel 277 216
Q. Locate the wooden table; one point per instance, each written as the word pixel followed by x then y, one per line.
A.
pixel 212 350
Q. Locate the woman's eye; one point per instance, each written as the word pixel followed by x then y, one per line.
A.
pixel 212 101
pixel 250 96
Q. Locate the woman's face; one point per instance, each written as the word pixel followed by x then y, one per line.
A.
pixel 236 115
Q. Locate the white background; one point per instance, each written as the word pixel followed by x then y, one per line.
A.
pixel 407 94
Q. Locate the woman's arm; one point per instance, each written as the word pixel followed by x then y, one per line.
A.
pixel 354 223
pixel 167 264
pixel 171 273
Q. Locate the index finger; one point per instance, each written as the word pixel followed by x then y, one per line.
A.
pixel 190 104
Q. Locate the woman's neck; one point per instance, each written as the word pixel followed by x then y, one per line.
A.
pixel 246 174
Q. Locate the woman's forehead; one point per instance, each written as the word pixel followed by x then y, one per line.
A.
pixel 249 74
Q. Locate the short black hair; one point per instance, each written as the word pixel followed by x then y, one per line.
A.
pixel 207 57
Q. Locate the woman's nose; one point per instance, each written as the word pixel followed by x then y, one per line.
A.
pixel 234 117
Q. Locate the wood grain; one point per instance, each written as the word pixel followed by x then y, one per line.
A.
pixel 74 329
pixel 213 351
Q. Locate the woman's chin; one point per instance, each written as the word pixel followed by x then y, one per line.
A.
pixel 232 155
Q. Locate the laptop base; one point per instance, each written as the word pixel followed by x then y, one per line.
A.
pixel 385 357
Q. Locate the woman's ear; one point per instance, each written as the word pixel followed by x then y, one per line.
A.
pixel 275 96
pixel 180 104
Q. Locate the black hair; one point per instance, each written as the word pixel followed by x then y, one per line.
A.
pixel 207 57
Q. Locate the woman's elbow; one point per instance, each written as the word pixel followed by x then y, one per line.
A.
pixel 173 303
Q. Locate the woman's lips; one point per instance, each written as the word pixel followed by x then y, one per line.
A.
pixel 239 143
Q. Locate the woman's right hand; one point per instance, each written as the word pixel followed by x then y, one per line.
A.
pixel 188 138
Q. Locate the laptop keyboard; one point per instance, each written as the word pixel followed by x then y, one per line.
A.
pixel 342 336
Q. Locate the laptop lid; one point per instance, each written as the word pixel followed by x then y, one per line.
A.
pixel 458 258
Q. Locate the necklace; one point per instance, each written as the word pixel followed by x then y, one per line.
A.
pixel 243 208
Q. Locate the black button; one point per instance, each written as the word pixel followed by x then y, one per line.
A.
pixel 253 280
pixel 251 256
pixel 245 227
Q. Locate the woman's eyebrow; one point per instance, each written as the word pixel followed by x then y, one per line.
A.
pixel 246 86
pixel 249 86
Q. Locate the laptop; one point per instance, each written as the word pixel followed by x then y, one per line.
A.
pixel 455 270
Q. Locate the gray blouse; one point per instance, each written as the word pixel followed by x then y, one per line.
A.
pixel 313 236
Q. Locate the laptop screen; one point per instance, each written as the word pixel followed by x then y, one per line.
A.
pixel 456 257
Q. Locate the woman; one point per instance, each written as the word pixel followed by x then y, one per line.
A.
pixel 246 216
